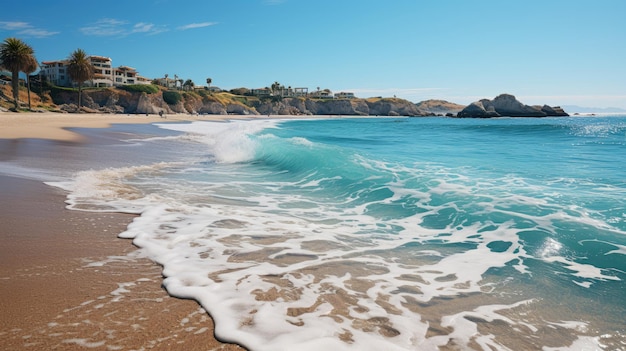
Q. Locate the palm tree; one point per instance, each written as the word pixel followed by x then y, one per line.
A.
pixel 275 86
pixel 30 66
pixel 209 81
pixel 13 54
pixel 80 70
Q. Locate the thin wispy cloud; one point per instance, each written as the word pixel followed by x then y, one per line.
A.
pixel 108 27
pixel 197 25
pixel 14 25
pixel 143 27
pixel 105 27
pixel 26 29
pixel 148 28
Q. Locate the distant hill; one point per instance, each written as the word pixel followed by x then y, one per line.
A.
pixel 439 106
pixel 578 109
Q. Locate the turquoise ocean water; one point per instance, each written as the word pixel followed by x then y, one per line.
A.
pixel 385 233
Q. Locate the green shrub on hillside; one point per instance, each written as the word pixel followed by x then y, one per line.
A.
pixel 140 88
pixel 172 97
pixel 203 93
pixel 57 89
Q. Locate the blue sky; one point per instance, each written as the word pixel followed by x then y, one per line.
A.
pixel 558 52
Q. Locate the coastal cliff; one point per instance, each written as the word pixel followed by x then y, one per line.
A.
pixel 114 100
pixel 348 107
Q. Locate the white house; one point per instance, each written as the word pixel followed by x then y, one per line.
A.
pixel 143 80
pixel 322 94
pixel 125 75
pixel 104 73
pixel 55 72
pixel 344 95
pixel 103 69
pixel 261 92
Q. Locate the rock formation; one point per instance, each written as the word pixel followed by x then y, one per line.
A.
pixel 346 107
pixel 554 110
pixel 506 105
pixel 479 109
pixel 439 107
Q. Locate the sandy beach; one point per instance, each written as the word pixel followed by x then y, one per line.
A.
pixel 53 126
pixel 67 281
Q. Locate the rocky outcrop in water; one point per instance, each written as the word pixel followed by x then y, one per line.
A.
pixel 554 111
pixel 506 105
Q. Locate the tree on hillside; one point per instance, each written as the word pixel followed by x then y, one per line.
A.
pixel 188 85
pixel 208 82
pixel 30 66
pixel 13 54
pixel 276 87
pixel 80 70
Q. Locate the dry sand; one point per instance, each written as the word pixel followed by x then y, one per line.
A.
pixel 67 282
pixel 53 126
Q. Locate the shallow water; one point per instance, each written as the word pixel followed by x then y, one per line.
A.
pixel 384 233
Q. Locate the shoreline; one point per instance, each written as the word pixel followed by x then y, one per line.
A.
pixel 54 126
pixel 68 281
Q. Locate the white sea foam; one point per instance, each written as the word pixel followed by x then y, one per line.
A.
pixel 231 240
pixel 619 249
pixel 227 142
pixel 108 189
pixel 581 343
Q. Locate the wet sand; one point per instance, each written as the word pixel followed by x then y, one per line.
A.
pixel 67 282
